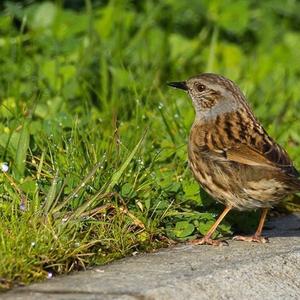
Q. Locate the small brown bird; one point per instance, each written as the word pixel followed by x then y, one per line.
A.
pixel 231 155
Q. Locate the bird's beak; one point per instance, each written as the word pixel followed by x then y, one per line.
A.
pixel 179 85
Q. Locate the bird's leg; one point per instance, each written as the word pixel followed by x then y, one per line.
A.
pixel 257 237
pixel 207 240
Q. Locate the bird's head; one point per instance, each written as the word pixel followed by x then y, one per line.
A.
pixel 211 94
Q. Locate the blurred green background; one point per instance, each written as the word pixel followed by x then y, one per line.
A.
pixel 96 142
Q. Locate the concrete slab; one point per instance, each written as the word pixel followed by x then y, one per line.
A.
pixel 240 271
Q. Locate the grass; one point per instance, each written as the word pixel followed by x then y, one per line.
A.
pixel 94 140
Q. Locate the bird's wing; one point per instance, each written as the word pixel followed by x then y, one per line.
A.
pixel 274 158
pixel 246 155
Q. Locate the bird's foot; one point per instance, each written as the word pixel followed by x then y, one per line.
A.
pixel 254 238
pixel 208 241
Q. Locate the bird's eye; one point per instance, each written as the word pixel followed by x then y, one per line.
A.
pixel 200 87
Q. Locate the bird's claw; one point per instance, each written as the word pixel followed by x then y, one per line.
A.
pixel 208 241
pixel 253 238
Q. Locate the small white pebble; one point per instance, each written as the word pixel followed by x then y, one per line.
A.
pixel 22 207
pixel 4 167
pixel 160 106
pixel 64 220
pixel 99 271
pixel 49 275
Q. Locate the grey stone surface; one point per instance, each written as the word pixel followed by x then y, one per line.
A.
pixel 240 271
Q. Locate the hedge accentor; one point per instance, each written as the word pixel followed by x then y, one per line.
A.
pixel 231 155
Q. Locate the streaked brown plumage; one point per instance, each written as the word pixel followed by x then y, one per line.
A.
pixel 230 153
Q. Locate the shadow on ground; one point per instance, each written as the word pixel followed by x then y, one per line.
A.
pixel 285 226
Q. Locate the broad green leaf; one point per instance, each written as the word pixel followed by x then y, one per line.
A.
pixel 183 229
pixel 44 15
pixel 28 186
pixel 191 191
pixel 205 226
pixel 126 189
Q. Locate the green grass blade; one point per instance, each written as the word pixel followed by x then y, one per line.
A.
pixel 51 194
pixel 78 188
pixel 23 144
pixel 117 175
